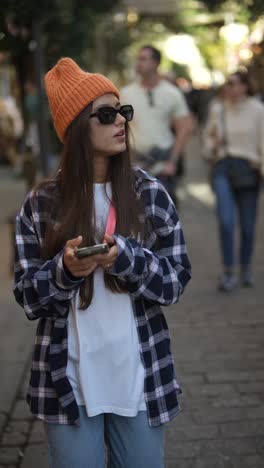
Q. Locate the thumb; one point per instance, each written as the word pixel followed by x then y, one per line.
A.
pixel 72 243
pixel 109 239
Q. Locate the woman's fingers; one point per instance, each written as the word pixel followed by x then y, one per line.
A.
pixel 109 258
pixel 107 266
pixel 77 267
pixel 73 243
pixel 85 272
pixel 109 239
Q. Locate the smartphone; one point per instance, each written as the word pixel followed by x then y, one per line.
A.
pixel 94 249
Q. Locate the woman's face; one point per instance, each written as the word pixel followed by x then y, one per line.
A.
pixel 235 89
pixel 107 139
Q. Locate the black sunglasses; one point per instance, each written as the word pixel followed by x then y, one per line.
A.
pixel 150 98
pixel 107 115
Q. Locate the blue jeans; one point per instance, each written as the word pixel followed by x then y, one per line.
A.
pixel 229 203
pixel 131 442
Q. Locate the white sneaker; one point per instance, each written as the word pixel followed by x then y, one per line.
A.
pixel 247 279
pixel 228 282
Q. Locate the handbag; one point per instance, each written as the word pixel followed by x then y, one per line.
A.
pixel 241 174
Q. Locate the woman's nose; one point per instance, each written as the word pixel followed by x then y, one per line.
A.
pixel 119 119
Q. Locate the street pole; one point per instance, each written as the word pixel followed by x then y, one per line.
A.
pixel 42 121
pixel 100 45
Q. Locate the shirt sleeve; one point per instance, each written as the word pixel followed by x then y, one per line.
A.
pixel 42 288
pixel 179 107
pixel 159 276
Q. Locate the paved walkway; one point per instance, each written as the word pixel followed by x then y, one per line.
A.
pixel 217 340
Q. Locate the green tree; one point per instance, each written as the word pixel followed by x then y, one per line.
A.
pixel 68 26
pixel 36 33
pixel 254 8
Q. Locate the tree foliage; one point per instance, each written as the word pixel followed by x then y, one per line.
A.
pixel 68 26
pixel 253 7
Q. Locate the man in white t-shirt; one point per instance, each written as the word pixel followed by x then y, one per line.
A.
pixel 161 113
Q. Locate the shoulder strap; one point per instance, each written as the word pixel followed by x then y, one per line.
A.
pixel 223 120
pixel 111 220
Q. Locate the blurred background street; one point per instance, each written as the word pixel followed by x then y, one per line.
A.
pixel 217 337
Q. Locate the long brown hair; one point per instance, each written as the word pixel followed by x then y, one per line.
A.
pixel 72 212
pixel 246 80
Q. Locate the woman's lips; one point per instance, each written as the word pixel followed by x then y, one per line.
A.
pixel 120 134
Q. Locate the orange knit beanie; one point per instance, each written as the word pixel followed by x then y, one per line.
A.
pixel 70 90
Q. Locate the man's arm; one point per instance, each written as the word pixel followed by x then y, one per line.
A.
pixel 183 127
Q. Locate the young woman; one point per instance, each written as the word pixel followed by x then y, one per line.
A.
pixel 234 138
pixel 102 369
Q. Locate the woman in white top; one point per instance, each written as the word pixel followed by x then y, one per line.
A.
pixel 234 140
pixel 102 369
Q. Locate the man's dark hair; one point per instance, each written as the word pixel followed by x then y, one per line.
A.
pixel 156 55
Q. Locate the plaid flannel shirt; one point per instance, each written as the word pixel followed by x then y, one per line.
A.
pixel 155 270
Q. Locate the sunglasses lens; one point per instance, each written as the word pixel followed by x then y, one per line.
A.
pixel 127 112
pixel 106 116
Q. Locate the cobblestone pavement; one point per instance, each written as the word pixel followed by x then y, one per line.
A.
pixel 217 341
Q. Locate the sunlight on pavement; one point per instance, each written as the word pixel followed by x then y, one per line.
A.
pixel 201 192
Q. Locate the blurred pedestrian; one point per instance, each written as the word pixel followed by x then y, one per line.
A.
pixel 102 367
pixel 234 139
pixel 31 105
pixel 11 129
pixel 18 129
pixel 160 107
pixel 6 132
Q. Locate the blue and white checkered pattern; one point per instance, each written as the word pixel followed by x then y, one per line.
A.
pixel 156 272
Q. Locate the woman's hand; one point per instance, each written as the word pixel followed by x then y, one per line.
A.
pixel 78 267
pixel 107 260
pixel 218 142
pixel 169 168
